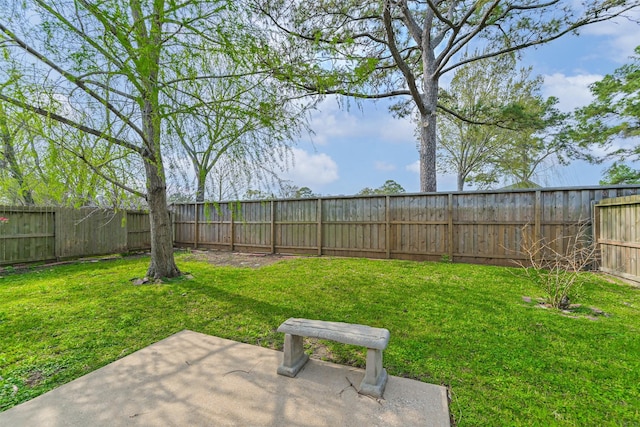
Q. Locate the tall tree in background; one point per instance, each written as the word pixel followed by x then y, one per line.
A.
pixel 612 121
pixel 464 147
pixel 248 122
pixel 389 187
pixel 620 173
pixel 389 48
pixel 529 150
pixel 489 154
pixel 115 66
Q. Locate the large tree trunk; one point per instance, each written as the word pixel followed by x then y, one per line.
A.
pixel 162 261
pixel 460 181
pixel 428 153
pixel 427 105
pixel 202 180
pixel 428 136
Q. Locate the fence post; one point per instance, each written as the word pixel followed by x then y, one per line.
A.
pixel 57 231
pixel 537 226
pixel 450 225
pixel 196 226
pixel 387 225
pixel 273 227
pixel 595 231
pixel 232 227
pixel 126 230
pixel 319 230
pixel 173 227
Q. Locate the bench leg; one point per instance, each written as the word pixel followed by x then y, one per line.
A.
pixel 294 356
pixel 375 377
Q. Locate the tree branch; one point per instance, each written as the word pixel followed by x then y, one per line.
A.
pixel 414 29
pixel 97 171
pixel 539 41
pixel 315 39
pixel 474 122
pixel 71 123
pixel 454 45
pixel 406 71
pixel 71 78
pixel 81 33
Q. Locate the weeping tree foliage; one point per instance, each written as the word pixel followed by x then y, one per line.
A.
pixel 16 158
pixel 489 154
pixel 389 48
pixel 528 152
pixel 112 69
pixel 243 130
pixel 36 169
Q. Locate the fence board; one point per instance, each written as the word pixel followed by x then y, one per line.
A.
pixel 479 227
pixel 138 231
pixel 484 227
pixel 619 236
pixel 87 232
pixel 35 234
pixel 28 234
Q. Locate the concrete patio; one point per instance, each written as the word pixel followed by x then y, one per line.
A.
pixel 192 379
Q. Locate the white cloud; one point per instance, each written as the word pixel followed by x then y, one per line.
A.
pixel 311 170
pixel 330 122
pixel 621 35
pixel 414 167
pixel 390 129
pixel 571 91
pixel 385 166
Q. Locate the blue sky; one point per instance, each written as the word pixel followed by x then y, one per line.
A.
pixel 363 146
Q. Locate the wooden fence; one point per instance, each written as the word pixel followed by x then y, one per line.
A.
pixel 476 227
pixel 34 234
pixel 618 230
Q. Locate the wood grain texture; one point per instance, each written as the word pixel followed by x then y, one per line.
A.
pixel 619 236
pixel 35 234
pixel 479 227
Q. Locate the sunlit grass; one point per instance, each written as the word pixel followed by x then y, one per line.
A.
pixel 506 361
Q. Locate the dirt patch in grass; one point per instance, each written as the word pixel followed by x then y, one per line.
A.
pixel 236 259
pixel 34 379
pixel 319 350
pixel 572 311
pixel 221 258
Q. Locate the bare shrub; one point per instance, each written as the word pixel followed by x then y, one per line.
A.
pixel 557 265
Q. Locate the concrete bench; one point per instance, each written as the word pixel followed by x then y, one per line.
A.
pixel 374 339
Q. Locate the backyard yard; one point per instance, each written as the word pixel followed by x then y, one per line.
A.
pixel 479 330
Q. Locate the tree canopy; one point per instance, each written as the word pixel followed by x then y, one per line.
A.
pixel 620 173
pixel 389 187
pixel 115 72
pixel 246 127
pixel 489 154
pixel 612 120
pixel 390 48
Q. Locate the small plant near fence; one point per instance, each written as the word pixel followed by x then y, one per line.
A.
pixel 3 220
pixel 557 266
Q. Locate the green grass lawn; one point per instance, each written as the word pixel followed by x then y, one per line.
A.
pixel 506 361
